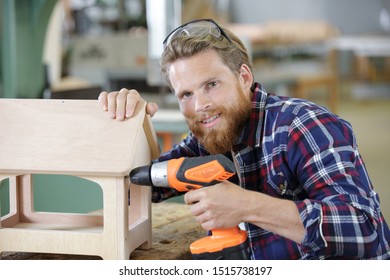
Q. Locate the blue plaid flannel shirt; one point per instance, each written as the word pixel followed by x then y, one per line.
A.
pixel 294 149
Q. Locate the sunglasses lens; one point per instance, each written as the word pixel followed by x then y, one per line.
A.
pixel 203 28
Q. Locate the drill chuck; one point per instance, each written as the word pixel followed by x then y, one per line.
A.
pixel 141 176
pixel 154 175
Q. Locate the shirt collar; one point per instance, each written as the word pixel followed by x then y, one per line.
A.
pixel 252 131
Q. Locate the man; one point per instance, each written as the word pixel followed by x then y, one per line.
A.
pixel 302 189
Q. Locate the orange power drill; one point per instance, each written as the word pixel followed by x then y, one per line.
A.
pixel 185 174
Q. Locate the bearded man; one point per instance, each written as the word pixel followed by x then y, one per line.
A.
pixel 302 190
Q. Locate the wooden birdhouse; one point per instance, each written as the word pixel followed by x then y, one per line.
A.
pixel 77 138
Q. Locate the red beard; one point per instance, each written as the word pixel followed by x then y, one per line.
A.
pixel 221 140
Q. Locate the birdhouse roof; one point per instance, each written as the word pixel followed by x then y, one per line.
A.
pixel 73 137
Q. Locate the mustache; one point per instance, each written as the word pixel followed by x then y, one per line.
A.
pixel 206 115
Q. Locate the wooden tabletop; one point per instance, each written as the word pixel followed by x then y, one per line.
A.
pixel 174 229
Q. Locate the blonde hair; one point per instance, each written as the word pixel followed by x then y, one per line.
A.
pixel 233 54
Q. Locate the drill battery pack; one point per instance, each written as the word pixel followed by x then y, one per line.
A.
pixel 223 244
pixel 238 252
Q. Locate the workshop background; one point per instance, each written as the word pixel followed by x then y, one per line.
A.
pixel 334 52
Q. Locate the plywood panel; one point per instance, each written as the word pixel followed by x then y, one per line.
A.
pixel 65 137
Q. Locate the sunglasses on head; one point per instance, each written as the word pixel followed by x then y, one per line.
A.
pixel 200 27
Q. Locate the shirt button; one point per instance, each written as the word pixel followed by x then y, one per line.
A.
pixel 282 188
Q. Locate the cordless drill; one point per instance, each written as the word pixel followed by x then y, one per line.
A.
pixel 185 174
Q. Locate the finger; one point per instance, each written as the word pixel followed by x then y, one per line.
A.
pixel 206 220
pixel 132 99
pixel 191 197
pixel 187 198
pixel 199 211
pixel 103 100
pixel 121 103
pixel 208 225
pixel 111 99
pixel 151 108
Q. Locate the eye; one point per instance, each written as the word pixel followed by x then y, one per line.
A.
pixel 211 85
pixel 185 95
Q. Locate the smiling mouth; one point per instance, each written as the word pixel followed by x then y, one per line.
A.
pixel 211 119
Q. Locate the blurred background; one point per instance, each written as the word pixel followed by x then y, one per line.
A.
pixel 333 52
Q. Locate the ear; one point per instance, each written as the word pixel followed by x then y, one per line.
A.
pixel 246 78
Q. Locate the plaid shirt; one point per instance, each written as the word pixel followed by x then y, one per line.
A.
pixel 293 149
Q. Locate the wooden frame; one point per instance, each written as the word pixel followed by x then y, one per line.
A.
pixel 75 137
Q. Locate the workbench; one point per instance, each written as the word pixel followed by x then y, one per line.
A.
pixel 174 229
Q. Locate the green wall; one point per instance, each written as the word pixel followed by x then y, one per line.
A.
pixel 23 29
pixel 59 193
pixel 4 201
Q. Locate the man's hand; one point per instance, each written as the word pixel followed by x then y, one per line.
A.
pixel 121 104
pixel 225 205
pixel 220 206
